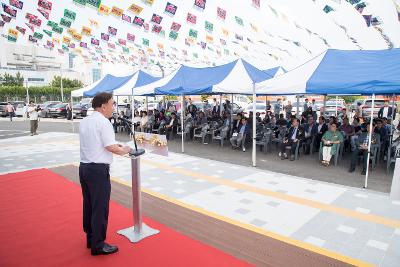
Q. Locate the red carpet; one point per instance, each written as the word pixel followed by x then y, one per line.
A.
pixel 40 225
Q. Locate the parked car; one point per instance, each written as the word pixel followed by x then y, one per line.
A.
pixel 19 108
pixel 259 108
pixel 59 110
pixel 330 108
pixel 80 109
pixel 236 108
pixel 367 105
pixel 45 108
pixel 354 105
pixel 3 110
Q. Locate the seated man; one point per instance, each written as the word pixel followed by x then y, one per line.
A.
pixel 322 127
pixel 310 130
pixel 330 143
pixel 281 121
pixel 238 136
pixel 348 131
pixel 293 136
pixel 169 127
pixel 362 148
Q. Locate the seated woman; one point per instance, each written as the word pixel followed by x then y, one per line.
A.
pixel 330 142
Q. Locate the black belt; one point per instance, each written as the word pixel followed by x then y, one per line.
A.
pixel 93 163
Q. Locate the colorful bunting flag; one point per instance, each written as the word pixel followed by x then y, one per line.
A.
pixel 367 19
pixel 57 29
pixel 328 9
pixel 94 41
pixel 117 11
pixel 256 3
pixel 32 39
pixel 105 37
pixel 71 15
pixel 104 10
pixel 11 38
pixel 5 18
pixel 191 18
pixel 77 36
pixel 112 30
pixel 66 40
pixel 138 21
pixel 30 27
pixel 66 23
pixel 94 3
pixel 209 26
pixel 35 21
pixel 121 41
pixel 145 42
pixel 156 18
pixel 50 44
pixel 71 31
pixel 17 4
pixel 126 18
pixel 44 13
pixel 83 44
pixel 173 35
pixel 221 13
pixel 45 4
pixel 86 31
pixel 148 2
pixel 200 4
pixel 193 33
pixel 20 29
pixel 49 33
pixel 135 9
pixel 175 26
pixel 170 9
pixel 80 2
pixel 12 32
pixel 38 35
pixel 9 10
pixel 130 37
pixel 156 29
pixel 2 23
pixel 239 20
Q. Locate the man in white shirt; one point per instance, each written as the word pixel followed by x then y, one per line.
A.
pixel 97 144
pixel 386 111
pixel 33 117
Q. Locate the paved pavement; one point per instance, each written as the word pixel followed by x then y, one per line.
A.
pixel 307 166
pixel 358 223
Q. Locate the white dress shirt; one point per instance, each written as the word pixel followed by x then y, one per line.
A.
pixel 385 112
pixel 33 114
pixel 95 134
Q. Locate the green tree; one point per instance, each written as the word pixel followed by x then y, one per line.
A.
pixel 67 83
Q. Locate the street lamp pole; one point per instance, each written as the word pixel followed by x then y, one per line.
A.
pixel 61 83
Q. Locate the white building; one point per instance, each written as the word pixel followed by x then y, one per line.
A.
pixel 39 65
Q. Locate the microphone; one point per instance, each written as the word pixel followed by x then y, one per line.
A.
pixel 136 152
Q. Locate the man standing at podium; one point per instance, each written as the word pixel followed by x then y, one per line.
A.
pixel 97 144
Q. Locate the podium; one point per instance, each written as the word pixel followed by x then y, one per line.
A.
pixel 140 230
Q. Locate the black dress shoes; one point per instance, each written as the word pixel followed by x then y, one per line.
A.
pixel 105 250
pixel 363 172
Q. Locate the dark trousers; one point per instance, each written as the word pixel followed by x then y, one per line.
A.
pixel 96 189
pixel 34 126
pixel 354 157
pixel 292 146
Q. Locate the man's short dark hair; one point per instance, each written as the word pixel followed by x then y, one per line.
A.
pixel 100 99
pixel 31 102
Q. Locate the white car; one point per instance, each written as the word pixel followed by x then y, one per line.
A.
pixel 259 108
pixel 367 105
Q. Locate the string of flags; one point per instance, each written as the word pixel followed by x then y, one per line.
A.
pixel 111 44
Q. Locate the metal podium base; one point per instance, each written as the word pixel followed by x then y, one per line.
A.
pixel 135 237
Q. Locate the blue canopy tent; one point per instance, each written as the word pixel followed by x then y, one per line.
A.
pixel 341 72
pixel 237 77
pixel 140 78
pixel 108 84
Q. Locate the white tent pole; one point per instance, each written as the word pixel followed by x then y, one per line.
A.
pixel 369 139
pixel 72 114
pixel 392 119
pixel 254 126
pixel 220 104
pixel 336 106
pixel 147 105
pixel 132 113
pixel 182 124
pixel 298 104
pixel 324 106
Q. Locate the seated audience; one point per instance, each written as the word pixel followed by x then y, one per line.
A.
pixel 330 143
